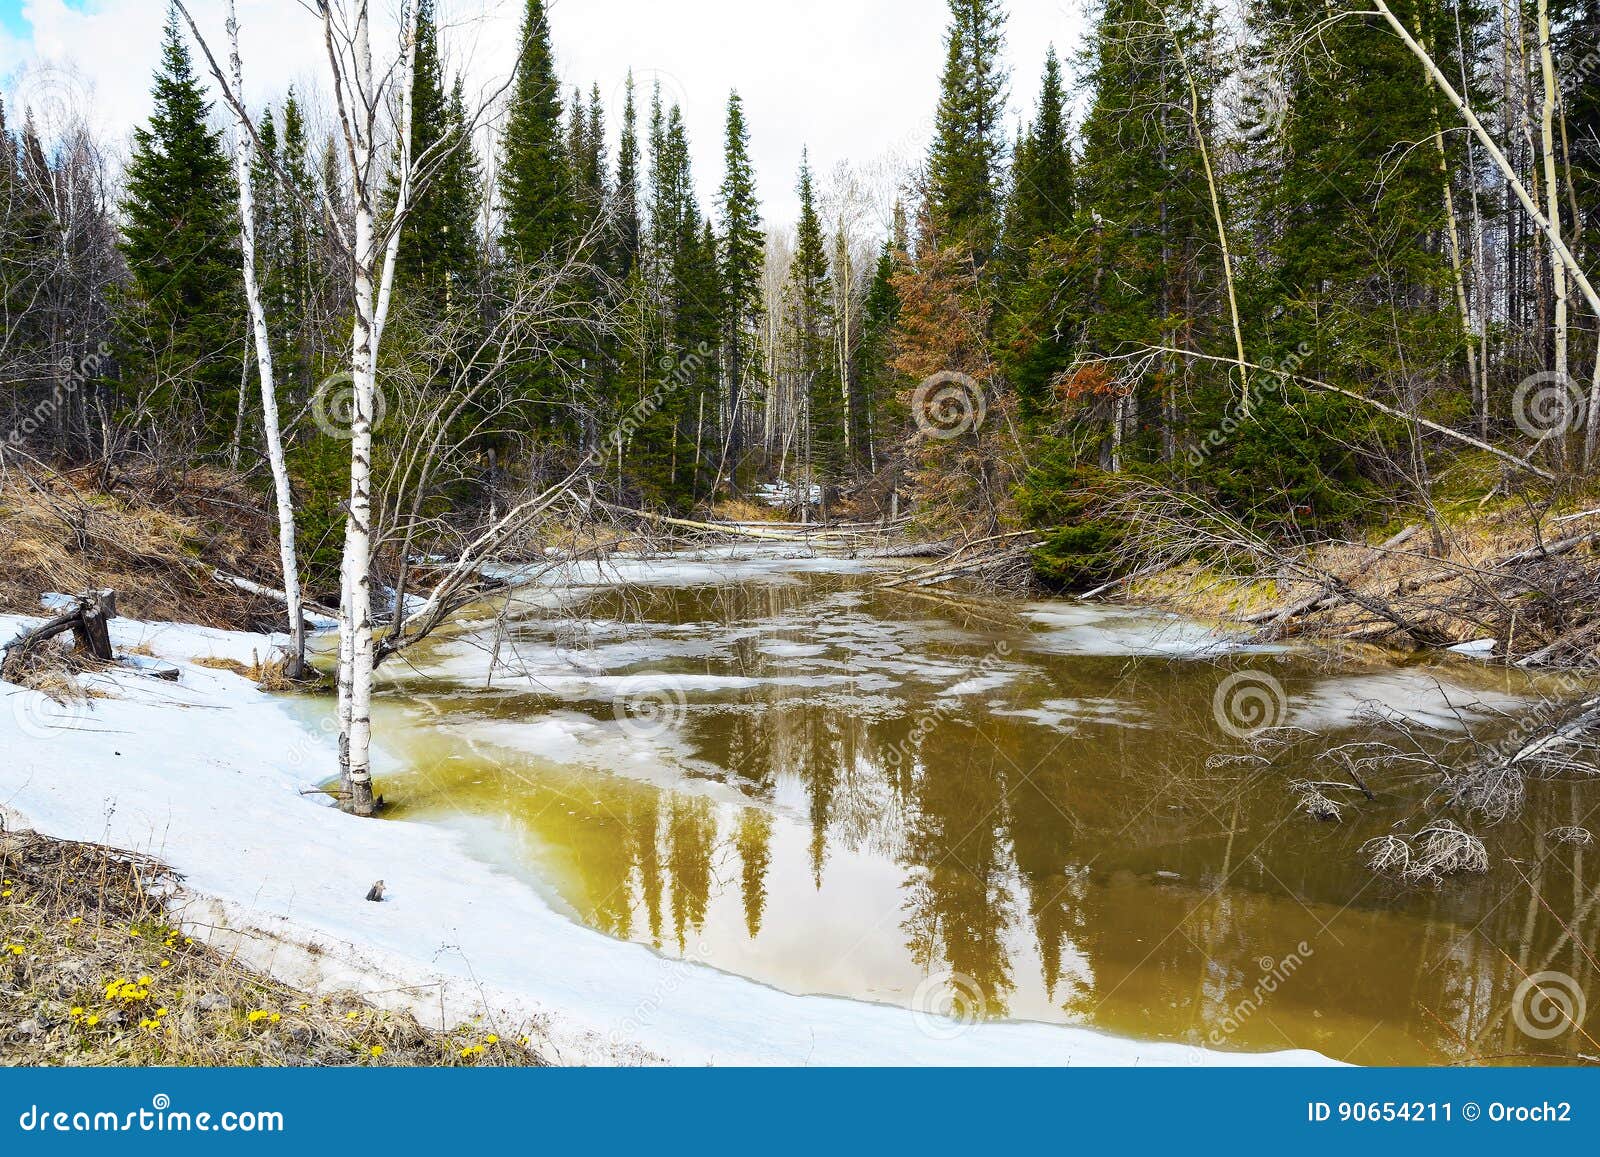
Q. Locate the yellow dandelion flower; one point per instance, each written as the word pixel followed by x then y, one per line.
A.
pixel 162 1011
pixel 6 895
pixel 376 1050
pixel 351 1015
pixel 166 964
pixel 18 950
pixel 257 1015
pixel 134 932
pixel 76 920
pixel 491 1039
pixel 92 1019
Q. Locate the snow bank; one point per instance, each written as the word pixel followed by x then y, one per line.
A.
pixel 209 773
pixel 1094 629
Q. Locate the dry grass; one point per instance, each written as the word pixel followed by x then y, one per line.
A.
pixel 153 539
pixel 269 676
pixel 52 668
pixel 743 510
pixel 1444 580
pixel 92 972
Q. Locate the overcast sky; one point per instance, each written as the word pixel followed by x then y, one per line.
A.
pixel 854 79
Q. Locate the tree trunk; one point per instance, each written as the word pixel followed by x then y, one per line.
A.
pixel 288 555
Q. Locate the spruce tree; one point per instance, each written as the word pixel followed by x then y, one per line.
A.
pixel 629 228
pixel 439 256
pixel 181 241
pixel 535 184
pixel 810 294
pixel 1041 175
pixel 743 262
pixel 965 166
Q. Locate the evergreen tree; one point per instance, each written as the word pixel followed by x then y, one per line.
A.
pixel 810 295
pixel 743 262
pixel 965 167
pixel 301 232
pixel 1041 176
pixel 439 255
pixel 629 228
pixel 181 240
pixel 878 386
pixel 535 183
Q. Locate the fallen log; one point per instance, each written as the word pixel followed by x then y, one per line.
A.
pixel 1326 595
pixel 87 619
pixel 253 588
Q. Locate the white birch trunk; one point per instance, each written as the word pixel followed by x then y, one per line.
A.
pixel 1552 189
pixel 244 150
pixel 375 258
pixel 1518 189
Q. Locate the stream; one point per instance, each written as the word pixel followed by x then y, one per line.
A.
pixel 987 809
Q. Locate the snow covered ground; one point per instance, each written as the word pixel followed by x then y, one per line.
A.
pixel 210 775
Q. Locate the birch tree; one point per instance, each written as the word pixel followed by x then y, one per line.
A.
pixel 244 156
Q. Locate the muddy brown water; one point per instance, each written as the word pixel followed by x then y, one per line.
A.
pixel 1032 811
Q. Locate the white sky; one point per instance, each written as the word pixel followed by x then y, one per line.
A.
pixel 853 79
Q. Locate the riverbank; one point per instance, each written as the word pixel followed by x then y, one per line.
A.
pixel 211 776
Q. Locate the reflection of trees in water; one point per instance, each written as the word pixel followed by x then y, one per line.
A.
pixel 1007 830
pixel 755 858
pixel 691 839
pixel 958 899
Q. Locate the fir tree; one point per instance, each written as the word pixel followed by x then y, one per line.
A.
pixel 965 166
pixel 743 262
pixel 181 240
pixel 439 256
pixel 810 294
pixel 629 238
pixel 1041 175
pixel 535 184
